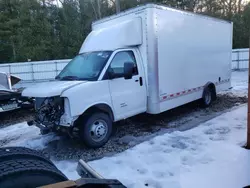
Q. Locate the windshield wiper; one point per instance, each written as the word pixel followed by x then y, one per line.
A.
pixel 70 78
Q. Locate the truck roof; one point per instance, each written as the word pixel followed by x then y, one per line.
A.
pixel 158 6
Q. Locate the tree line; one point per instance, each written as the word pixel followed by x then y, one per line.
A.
pixel 55 29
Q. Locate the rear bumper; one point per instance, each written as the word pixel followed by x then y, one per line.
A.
pixel 9 107
pixel 14 101
pixel 9 95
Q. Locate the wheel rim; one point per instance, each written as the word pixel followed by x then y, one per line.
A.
pixel 98 130
pixel 208 98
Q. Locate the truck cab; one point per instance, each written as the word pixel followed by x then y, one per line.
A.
pixel 103 84
pixel 94 89
pixel 112 78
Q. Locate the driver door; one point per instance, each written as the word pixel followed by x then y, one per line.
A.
pixel 128 95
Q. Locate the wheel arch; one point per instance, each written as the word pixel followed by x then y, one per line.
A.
pixel 103 107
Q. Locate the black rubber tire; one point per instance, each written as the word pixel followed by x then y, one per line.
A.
pixel 28 173
pixel 207 91
pixel 214 95
pixel 84 132
pixel 12 153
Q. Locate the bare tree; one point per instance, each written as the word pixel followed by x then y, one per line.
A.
pixel 239 6
pixel 94 9
pixel 99 9
pixel 118 6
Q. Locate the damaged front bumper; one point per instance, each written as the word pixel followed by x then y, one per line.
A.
pixel 45 129
pixel 53 114
pixel 48 113
pixel 9 107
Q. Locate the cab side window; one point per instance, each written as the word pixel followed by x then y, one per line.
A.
pixel 117 65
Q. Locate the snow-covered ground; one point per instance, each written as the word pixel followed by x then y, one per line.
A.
pixel 22 135
pixel 239 82
pixel 209 155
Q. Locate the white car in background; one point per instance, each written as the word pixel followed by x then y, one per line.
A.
pixel 10 99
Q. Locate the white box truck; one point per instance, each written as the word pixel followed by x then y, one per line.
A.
pixel 150 59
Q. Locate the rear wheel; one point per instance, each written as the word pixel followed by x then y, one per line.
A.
pixel 96 129
pixel 208 96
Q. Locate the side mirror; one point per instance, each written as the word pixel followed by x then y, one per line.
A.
pixel 128 70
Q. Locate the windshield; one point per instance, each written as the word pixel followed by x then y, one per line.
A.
pixel 86 66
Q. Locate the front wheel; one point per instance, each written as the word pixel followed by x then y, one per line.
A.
pixel 96 130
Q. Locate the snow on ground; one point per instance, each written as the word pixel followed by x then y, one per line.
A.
pixel 239 82
pixel 68 168
pixel 207 156
pixel 23 135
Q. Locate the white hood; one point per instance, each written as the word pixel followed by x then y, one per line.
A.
pixel 49 89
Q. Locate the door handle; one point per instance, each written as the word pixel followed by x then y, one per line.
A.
pixel 141 82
